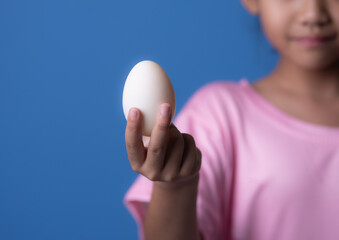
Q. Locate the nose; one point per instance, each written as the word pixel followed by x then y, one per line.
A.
pixel 314 13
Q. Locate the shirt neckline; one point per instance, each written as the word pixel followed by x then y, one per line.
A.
pixel 312 131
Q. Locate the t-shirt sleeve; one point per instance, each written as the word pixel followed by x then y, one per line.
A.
pixel 204 117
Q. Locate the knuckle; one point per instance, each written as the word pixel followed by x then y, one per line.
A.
pixel 191 169
pixel 129 144
pixel 131 138
pixel 153 176
pixel 170 177
pixel 186 172
pixel 155 150
pixel 189 138
pixel 135 168
pixel 163 125
pixel 174 129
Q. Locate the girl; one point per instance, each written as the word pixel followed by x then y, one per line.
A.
pixel 269 151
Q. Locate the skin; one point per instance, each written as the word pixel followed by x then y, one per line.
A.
pixel 305 85
pixel 172 161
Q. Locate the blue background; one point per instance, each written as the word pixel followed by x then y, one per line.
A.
pixel 63 163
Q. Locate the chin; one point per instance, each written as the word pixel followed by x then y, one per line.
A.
pixel 318 64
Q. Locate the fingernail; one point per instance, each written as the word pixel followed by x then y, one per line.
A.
pixel 164 110
pixel 133 114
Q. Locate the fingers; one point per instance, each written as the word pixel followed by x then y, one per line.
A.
pixel 192 156
pixel 168 155
pixel 133 138
pixel 183 158
pixel 157 144
pixel 174 155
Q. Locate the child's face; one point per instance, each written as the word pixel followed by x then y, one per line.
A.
pixel 305 32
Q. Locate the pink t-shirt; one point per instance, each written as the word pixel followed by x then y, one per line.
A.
pixel 265 175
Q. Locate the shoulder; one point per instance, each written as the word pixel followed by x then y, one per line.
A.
pixel 216 99
pixel 218 93
pixel 212 109
pixel 217 88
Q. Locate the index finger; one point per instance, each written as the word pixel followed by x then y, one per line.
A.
pixel 157 146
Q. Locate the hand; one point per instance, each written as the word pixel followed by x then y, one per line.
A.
pixel 169 156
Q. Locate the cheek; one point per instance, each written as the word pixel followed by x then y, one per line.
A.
pixel 335 15
pixel 275 25
pixel 274 32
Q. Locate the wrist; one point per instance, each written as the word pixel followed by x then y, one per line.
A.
pixel 190 182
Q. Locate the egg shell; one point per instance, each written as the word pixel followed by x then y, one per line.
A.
pixel 146 87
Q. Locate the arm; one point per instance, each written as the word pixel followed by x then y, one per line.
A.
pixel 172 162
pixel 172 211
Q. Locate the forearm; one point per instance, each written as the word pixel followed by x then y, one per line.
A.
pixel 171 213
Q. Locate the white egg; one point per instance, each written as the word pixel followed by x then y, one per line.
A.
pixel 146 87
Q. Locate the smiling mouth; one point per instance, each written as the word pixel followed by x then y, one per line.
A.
pixel 314 41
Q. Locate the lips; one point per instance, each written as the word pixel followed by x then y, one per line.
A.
pixel 314 40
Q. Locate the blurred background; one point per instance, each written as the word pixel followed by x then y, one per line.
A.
pixel 63 63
